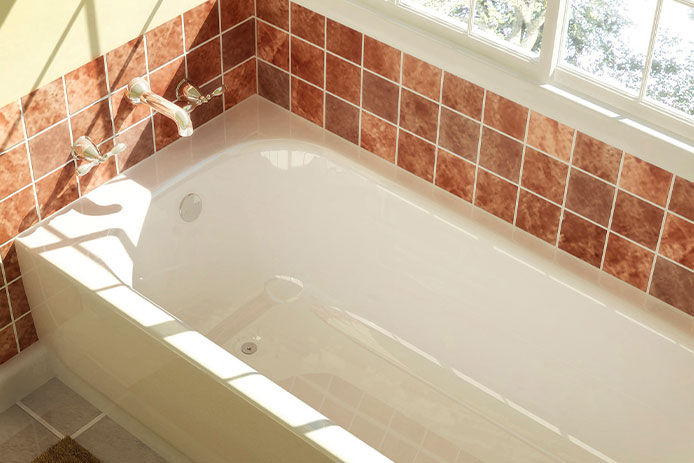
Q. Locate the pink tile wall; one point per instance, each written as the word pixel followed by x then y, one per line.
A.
pixel 607 207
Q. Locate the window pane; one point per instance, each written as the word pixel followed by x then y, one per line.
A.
pixel 672 72
pixel 609 39
pixel 455 12
pixel 513 22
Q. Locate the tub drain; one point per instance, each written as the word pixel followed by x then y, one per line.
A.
pixel 249 348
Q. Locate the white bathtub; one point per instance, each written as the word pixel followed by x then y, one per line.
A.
pixel 429 330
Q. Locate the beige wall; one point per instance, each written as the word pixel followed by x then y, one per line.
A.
pixel 41 40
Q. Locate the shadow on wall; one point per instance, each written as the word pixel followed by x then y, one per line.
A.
pixel 37 173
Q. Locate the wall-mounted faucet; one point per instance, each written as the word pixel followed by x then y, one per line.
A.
pixel 85 150
pixel 139 92
pixel 190 93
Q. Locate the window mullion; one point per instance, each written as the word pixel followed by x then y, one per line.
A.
pixel 470 18
pixel 651 50
pixel 556 18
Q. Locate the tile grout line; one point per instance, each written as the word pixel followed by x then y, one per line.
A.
pixel 479 148
pixel 438 127
pixel 110 92
pixel 38 418
pixel 221 57
pixel 566 189
pixel 609 221
pixel 520 173
pixel 660 236
pixel 86 427
pixel 397 124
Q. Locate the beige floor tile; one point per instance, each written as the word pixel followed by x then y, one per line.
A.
pixel 22 438
pixel 112 444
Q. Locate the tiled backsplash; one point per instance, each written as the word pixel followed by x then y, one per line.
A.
pixel 608 208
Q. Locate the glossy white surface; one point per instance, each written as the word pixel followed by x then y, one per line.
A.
pixel 432 331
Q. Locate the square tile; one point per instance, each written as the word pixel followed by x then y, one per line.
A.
pixel 459 134
pixel 164 82
pixel 501 154
pixel 673 284
pixel 18 213
pixel 590 197
pixel 637 219
pixel 455 175
pixel 307 101
pixel 8 347
pixel 60 406
pixel 15 172
pixel 382 59
pixel 582 239
pixel 26 331
pixel 645 180
pixel 126 62
pixel 274 11
pixel 51 149
pixel 139 144
pixel 235 11
pixel 22 438
pixel 125 113
pixel 343 41
pixel 628 262
pixel 342 118
pixel 416 156
pixel 550 136
pixel 44 107
pixel 18 298
pixel 380 97
pixel 5 315
pixel 538 217
pixel 342 78
pixel 422 77
pixel 505 115
pixel 419 115
pixel 273 45
pixel 677 241
pixel 110 443
pixel 10 262
pixel 239 84
pixel 204 63
pixel 463 96
pixel 57 189
pixel 94 122
pixel 273 84
pixel 597 157
pixel 201 23
pixel 165 131
pixel 308 25
pixel 164 43
pixel 11 131
pixel 86 84
pixel 238 44
pixel 378 136
pixel 307 61
pixel 682 201
pixel 544 175
pixel 495 195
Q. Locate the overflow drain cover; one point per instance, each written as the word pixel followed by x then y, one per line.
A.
pixel 249 348
pixel 191 207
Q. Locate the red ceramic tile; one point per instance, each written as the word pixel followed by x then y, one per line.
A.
pixel 582 239
pixel 125 113
pixel 273 84
pixel 419 115
pixel 382 59
pixel 307 61
pixel 10 262
pixel 421 77
pixel 126 62
pixel 550 136
pixel 459 134
pixel 5 317
pixel 590 197
pixel 44 107
pixel 628 262
pixel 239 83
pixel 343 41
pixel 544 175
pixel 18 213
pixel 238 44
pixel 273 45
pixel 597 157
pixel 307 101
pixel 416 156
pixel 99 174
pixel 677 242
pixel 501 154
pixel 164 43
pixel 495 195
pixel 274 11
pixel 18 298
pixel 8 344
pixel 94 122
pixel 308 25
pixel 455 175
pixel 463 96
pixel 164 81
pixel 235 11
pixel 380 97
pixel 57 190
pixel 505 115
pixel 201 23
pixel 138 142
pixel 11 131
pixel 674 285
pixel 26 332
pixel 538 217
pixel 205 113
pixel 682 200
pixel 637 220
pixel 204 63
pixel 378 136
pixel 645 180
pixel 14 170
pixel 342 118
pixel 165 131
pixel 342 78
pixel 50 149
pixel 86 84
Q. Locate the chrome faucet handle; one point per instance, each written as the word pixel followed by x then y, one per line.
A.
pixel 85 150
pixel 186 91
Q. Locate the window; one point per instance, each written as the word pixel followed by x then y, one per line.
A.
pixel 634 55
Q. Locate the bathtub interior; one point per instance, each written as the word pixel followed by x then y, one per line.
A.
pixel 419 334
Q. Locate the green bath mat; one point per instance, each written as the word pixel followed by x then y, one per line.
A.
pixel 66 451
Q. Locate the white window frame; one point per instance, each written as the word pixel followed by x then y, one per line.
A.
pixel 547 67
